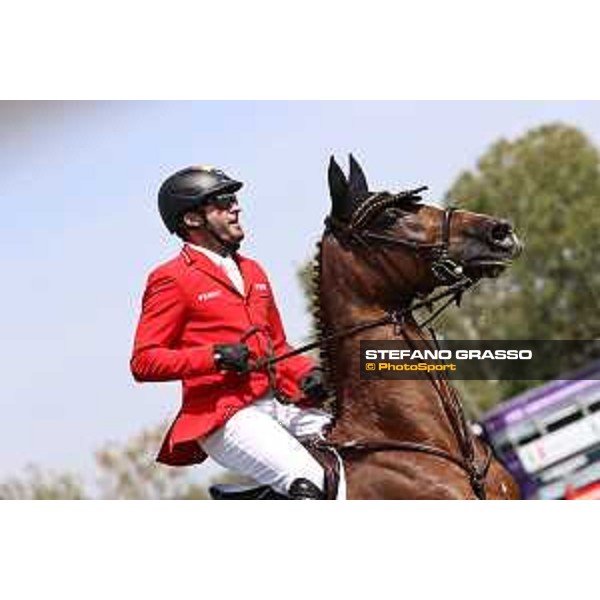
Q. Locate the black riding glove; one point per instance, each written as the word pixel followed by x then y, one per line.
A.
pixel 231 357
pixel 313 385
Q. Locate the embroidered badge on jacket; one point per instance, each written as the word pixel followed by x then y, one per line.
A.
pixel 204 296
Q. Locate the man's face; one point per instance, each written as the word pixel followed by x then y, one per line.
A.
pixel 223 214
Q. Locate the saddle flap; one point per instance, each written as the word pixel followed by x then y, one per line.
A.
pixel 328 459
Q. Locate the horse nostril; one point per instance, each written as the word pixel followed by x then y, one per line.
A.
pixel 500 231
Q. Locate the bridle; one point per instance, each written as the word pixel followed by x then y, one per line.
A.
pixel 447 272
pixel 445 269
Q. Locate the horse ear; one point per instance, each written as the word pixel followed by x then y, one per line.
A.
pixel 358 181
pixel 338 189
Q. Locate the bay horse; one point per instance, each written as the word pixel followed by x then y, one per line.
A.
pixel 382 256
pixel 379 255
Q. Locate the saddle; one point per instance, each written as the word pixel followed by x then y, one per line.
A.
pixel 324 454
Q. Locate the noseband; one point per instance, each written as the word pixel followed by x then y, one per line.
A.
pixel 445 269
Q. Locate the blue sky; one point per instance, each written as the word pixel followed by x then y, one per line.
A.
pixel 81 231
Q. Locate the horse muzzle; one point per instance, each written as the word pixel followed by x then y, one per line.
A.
pixel 501 236
pixel 497 246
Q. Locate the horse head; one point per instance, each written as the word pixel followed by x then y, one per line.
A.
pixel 389 245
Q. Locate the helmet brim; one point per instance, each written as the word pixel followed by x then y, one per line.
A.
pixel 231 186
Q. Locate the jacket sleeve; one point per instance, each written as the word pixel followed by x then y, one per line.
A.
pixel 295 367
pixel 156 356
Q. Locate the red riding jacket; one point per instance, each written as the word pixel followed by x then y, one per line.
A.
pixel 190 304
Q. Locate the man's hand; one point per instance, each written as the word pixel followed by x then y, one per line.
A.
pixel 313 385
pixel 231 357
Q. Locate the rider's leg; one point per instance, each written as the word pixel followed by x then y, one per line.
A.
pixel 306 423
pixel 254 444
pixel 300 422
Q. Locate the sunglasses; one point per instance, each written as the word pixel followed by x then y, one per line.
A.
pixel 224 201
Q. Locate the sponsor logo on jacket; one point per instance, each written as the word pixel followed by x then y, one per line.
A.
pixel 204 296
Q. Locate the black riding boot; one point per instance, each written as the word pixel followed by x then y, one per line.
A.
pixel 303 489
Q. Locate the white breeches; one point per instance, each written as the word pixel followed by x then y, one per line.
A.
pixel 259 441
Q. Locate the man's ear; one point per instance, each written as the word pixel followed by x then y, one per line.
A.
pixel 193 220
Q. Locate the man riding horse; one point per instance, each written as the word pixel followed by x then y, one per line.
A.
pixel 205 315
pixel 381 257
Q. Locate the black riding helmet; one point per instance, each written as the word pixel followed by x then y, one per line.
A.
pixel 189 188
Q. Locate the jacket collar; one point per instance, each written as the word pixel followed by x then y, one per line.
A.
pixel 198 260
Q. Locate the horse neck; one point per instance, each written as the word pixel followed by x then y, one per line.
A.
pixel 408 410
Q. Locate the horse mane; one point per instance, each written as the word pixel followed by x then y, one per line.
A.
pixel 361 216
pixel 325 348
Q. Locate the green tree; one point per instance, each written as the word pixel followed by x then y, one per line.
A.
pixel 125 471
pixel 548 183
pixel 128 471
pixel 37 484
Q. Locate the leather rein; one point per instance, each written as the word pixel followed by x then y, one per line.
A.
pixel 447 272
